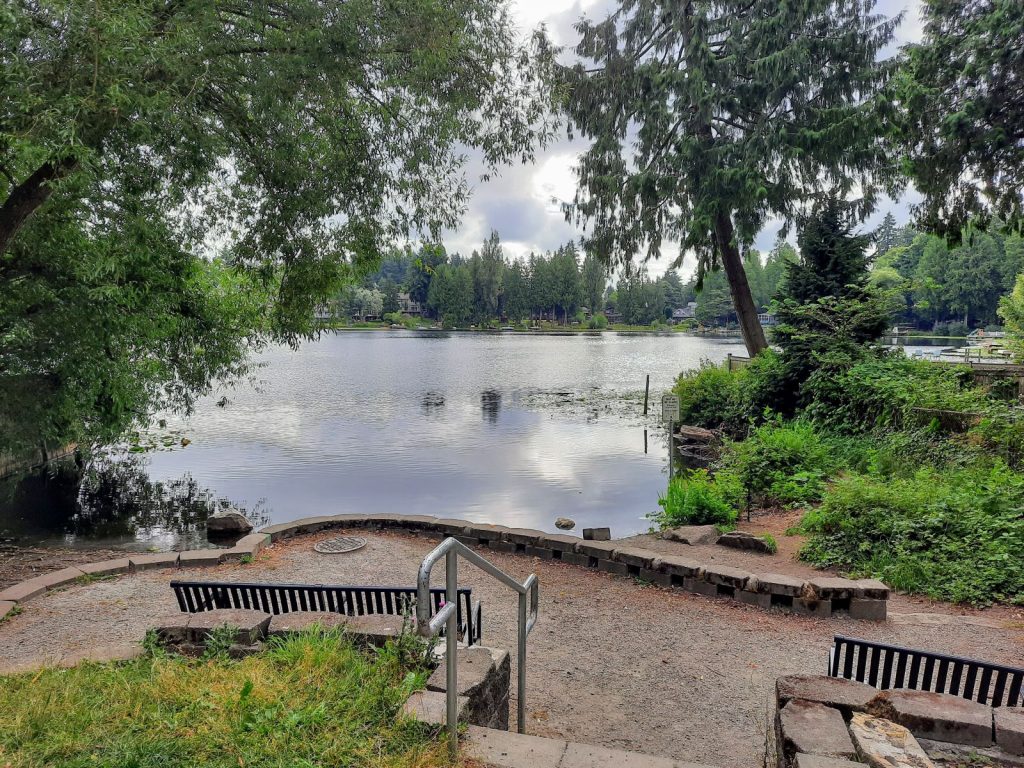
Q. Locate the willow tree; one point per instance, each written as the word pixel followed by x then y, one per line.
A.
pixel 294 138
pixel 708 117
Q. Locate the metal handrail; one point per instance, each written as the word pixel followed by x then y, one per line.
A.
pixel 426 626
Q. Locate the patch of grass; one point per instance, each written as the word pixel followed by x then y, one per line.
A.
pixel 309 700
pixel 773 545
pixel 697 498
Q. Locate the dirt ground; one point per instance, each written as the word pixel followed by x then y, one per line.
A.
pixel 22 563
pixel 611 662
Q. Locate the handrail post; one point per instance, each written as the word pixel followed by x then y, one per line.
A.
pixel 451 637
pixel 521 671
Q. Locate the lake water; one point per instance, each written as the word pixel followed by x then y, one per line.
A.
pixel 505 428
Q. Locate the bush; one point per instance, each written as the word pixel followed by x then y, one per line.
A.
pixel 951 535
pixel 697 498
pixel 598 322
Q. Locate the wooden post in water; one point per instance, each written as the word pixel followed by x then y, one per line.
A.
pixel 647 391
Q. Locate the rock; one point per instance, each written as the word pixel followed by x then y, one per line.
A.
pixel 1010 729
pixel 847 696
pixel 817 761
pixel 696 434
pixel 814 729
pixel 727 576
pixel 301 621
pixel 228 523
pixel 692 534
pixel 565 524
pixel 597 534
pixel 474 667
pixel 937 716
pixel 249 626
pixel 833 588
pixel 780 584
pixel 883 744
pixel 742 540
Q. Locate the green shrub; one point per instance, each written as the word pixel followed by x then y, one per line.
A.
pixel 598 322
pixel 697 498
pixel 770 542
pixel 955 535
pixel 711 396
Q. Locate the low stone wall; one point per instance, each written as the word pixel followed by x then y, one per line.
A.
pixel 827 721
pixel 819 597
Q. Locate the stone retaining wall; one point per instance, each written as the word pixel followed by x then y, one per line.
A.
pixel 818 597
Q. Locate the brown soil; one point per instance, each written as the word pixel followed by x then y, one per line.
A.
pixel 22 563
pixel 611 662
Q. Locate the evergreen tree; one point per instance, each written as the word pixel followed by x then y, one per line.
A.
pixel 709 117
pixel 886 235
pixel 594 276
pixel 389 292
pixel 516 292
pixel 566 290
pixel 486 268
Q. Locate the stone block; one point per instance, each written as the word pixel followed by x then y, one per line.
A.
pixel 679 567
pixel 374 630
pixel 172 629
pixel 501 749
pixel 450 527
pixel 884 744
pixel 692 534
pixel 814 729
pixel 727 576
pixel 200 558
pixel 820 761
pixel 280 531
pixel 757 599
pixel 416 523
pixel 867 609
pixel 780 584
pixel 744 540
pixel 1009 723
pixel 249 626
pixel 634 557
pixel 300 621
pixel 387 520
pixel 61 578
pixel 559 542
pixel 145 562
pixel 602 550
pixel 470 541
pixel 254 542
pixel 809 606
pixel 656 577
pixel 105 567
pixel 937 716
pixel 588 756
pixel 485 533
pixel 6 606
pixel 871 588
pixel 522 536
pixel 317 523
pixel 474 667
pixel 610 566
pixel 22 591
pixel 502 546
pixel 541 552
pixel 431 708
pixel 848 696
pixel 241 650
pixel 700 586
pixel 597 534
pixel 832 588
pixel 574 558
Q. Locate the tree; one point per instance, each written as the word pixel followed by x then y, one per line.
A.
pixel 960 124
pixel 516 292
pixel 451 294
pixel 421 271
pixel 675 294
pixel 594 276
pixel 886 235
pixel 737 109
pixel 389 292
pixel 1011 310
pixel 564 273
pixel 296 138
pixel 486 267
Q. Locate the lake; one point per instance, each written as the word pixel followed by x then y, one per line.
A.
pixel 510 428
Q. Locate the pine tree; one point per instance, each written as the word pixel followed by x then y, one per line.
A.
pixel 886 236
pixel 709 117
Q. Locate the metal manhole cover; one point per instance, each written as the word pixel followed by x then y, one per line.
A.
pixel 339 545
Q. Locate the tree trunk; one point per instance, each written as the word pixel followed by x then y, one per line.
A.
pixel 25 198
pixel 742 300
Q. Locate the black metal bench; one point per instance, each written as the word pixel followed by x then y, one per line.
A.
pixel 891 666
pixel 275 599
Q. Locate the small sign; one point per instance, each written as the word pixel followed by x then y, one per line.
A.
pixel 670 408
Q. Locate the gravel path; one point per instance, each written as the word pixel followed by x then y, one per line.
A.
pixel 611 662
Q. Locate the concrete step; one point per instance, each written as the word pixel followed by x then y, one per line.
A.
pixel 504 749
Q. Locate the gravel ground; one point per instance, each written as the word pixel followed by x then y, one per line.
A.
pixel 612 662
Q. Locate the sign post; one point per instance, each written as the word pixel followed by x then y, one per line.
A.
pixel 670 415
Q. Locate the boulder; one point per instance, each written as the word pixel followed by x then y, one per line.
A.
pixel 813 729
pixel 847 696
pixel 692 534
pixel 937 716
pixel 228 523
pixel 743 540
pixel 1009 723
pixel 249 626
pixel 565 524
pixel 883 744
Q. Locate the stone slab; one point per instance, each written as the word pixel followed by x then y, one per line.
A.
pixel 574 558
pixel 589 756
pixel 600 549
pixel 536 551
pixel 1009 723
pixel 416 522
pixel 884 744
pixel 300 621
pixel 680 567
pixel 450 526
pixel 611 566
pixel 472 670
pixel 172 629
pixel 757 599
pixel 376 629
pixel 727 576
pixel 814 729
pixel 431 707
pixel 937 716
pixel 597 534
pixel 484 532
pixel 820 761
pixel 22 591
pixel 145 562
pixel 848 696
pixel 780 584
pixel 656 577
pixel 700 587
pixel 559 542
pixel 635 557
pixel 6 606
pixel 744 540
pixel 200 558
pixel 106 567
pixel 692 534
pixel 833 587
pixel 502 749
pixel 250 626
pixel 868 609
pixel 502 546
pixel 871 588
pixel 522 536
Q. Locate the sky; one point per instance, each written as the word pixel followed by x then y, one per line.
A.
pixel 517 202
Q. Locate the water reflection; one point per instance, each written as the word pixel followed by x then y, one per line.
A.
pixel 111 503
pixel 490 404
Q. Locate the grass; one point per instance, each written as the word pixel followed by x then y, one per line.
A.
pixel 308 701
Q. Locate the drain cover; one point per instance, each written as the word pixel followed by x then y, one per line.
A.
pixel 339 545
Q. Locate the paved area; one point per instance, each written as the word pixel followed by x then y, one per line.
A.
pixel 612 663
